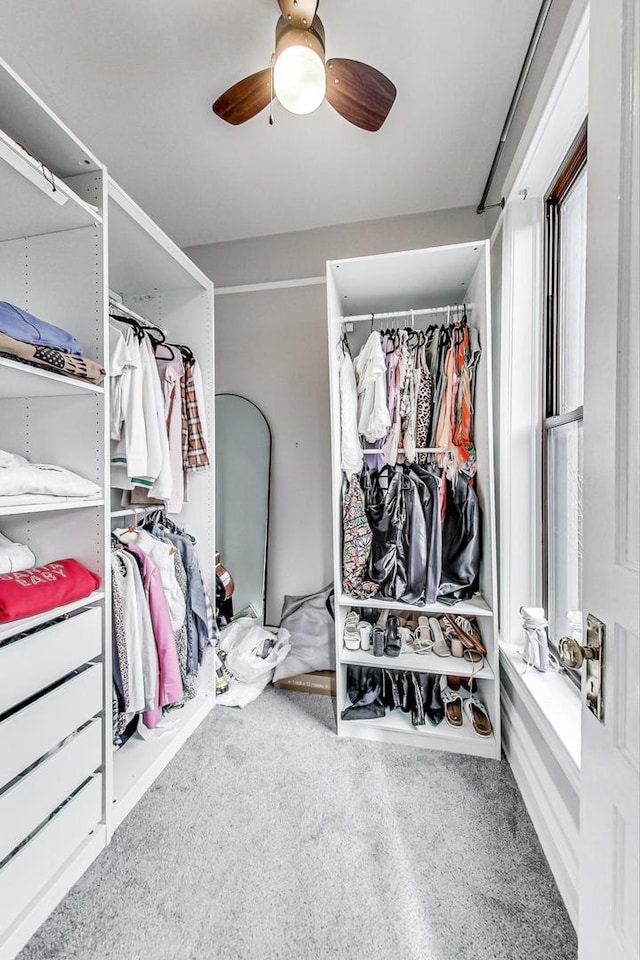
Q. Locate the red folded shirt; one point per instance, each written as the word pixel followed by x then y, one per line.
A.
pixel 29 592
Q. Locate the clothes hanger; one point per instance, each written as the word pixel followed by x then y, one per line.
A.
pixel 167 346
pixel 130 322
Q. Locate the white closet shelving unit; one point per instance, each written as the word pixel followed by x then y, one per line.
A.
pixel 153 277
pixel 417 280
pixel 63 790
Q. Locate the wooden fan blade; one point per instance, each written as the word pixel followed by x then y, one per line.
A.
pixel 360 94
pixel 299 14
pixel 245 99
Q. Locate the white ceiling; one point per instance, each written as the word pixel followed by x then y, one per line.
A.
pixel 135 79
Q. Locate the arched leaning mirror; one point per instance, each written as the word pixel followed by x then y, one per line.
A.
pixel 243 467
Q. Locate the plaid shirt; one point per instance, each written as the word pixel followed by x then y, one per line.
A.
pixel 194 448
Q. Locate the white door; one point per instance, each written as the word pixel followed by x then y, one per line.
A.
pixel 610 795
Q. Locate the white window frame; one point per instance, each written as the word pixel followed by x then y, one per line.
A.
pixel 558 115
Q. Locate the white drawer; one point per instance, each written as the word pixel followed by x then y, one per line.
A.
pixel 29 733
pixel 32 867
pixel 33 663
pixel 32 798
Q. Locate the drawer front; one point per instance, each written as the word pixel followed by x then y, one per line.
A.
pixel 25 805
pixel 25 874
pixel 28 734
pixel 33 663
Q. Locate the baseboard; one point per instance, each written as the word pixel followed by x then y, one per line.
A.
pixel 551 819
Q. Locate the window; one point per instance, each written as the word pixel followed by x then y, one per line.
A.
pixel 566 248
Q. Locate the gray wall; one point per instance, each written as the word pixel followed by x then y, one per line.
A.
pixel 271 347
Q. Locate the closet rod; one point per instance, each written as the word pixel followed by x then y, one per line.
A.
pixel 405 313
pixel 129 313
pixel 378 450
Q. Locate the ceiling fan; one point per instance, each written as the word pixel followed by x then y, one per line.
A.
pixel 300 79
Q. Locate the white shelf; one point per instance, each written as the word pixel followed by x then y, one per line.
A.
pixel 47 507
pixel 21 380
pixel 423 663
pixel 137 764
pixel 28 210
pixel 477 607
pixel 16 627
pixel 396 727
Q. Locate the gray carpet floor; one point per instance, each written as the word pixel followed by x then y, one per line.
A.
pixel 267 838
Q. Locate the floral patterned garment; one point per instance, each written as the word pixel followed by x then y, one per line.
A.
pixel 357 538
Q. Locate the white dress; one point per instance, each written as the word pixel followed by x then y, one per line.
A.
pixel 371 372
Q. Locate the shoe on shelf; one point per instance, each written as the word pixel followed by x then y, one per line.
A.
pixel 406 640
pixel 392 644
pixel 479 716
pixel 452 708
pixel 453 683
pixel 450 634
pixel 365 629
pixel 422 637
pixel 440 645
pixel 382 618
pixel 467 630
pixel 368 614
pixel 377 640
pixel 351 635
pixel 467 683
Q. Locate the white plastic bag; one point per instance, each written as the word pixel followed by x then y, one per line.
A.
pixel 248 673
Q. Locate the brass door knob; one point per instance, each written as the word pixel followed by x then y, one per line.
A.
pixel 573 654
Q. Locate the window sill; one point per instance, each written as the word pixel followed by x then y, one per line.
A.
pixel 555 705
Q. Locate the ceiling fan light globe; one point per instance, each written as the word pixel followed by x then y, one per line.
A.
pixel 299 79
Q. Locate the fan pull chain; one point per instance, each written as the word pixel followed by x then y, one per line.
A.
pixel 271 120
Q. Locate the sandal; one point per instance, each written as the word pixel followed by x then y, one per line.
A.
pixel 451 636
pixel 406 639
pixel 422 639
pixel 440 645
pixel 468 632
pixel 392 645
pixel 351 634
pixel 479 716
pixel 453 708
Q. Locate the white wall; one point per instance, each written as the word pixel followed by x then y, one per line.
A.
pixel 271 348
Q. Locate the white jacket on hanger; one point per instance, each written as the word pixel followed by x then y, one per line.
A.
pixel 373 416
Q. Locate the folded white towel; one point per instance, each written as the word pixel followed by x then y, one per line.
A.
pixel 18 476
pixel 14 556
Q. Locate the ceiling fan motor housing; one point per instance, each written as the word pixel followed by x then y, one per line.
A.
pixel 291 36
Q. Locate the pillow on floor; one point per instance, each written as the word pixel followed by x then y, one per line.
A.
pixel 309 620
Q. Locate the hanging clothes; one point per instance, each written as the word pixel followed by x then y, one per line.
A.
pixel 416 387
pixel 370 369
pixel 350 446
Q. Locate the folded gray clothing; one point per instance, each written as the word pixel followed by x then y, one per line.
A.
pixel 14 556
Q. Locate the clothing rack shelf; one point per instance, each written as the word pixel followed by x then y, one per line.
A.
pixel 60 262
pixel 24 510
pixel 378 288
pixel 476 607
pixel 396 727
pixel 16 627
pixel 20 380
pixel 423 663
